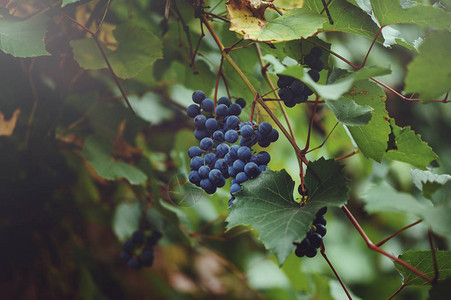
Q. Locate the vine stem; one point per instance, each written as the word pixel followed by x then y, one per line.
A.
pixel 396 233
pixel 323 253
pixel 273 88
pixel 397 291
pixel 102 52
pixel 373 247
pixel 252 89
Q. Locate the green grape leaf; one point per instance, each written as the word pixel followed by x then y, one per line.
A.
pixel 422 261
pixel 441 290
pixel 126 219
pixel 97 151
pixel 137 50
pixel 350 113
pixel 266 204
pixel 404 11
pixel 336 89
pixel 347 18
pixel 428 182
pixel 410 148
pixel 433 59
pixel 23 38
pixel 382 197
pixel 371 138
pixel 248 19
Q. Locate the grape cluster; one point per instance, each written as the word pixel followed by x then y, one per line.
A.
pixel 138 251
pixel 309 246
pixel 293 91
pixel 218 157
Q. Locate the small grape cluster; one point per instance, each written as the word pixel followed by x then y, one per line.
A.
pixel 309 246
pixel 216 159
pixel 293 91
pixel 138 251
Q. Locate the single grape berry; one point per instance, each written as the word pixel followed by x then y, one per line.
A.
pixel 218 136
pixel 241 102
pixel 198 96
pixel 238 165
pixel 315 239
pixel 201 133
pixel 235 109
pixel 231 136
pixel 224 100
pixel 246 131
pixel 263 158
pixel 322 211
pixel 235 188
pixel 232 122
pixel 265 128
pixel 196 163
pixel 309 59
pixel 194 177
pixel 222 150
pixel 314 75
pixel 311 252
pixel 222 110
pixel 302 192
pixel 241 177
pixel 244 153
pixel 320 220
pixel 286 94
pixel 193 110
pixel 194 151
pixel 134 263
pixel 203 172
pixel 321 229
pixel 215 176
pixel 273 136
pixel 199 121
pixel 208 105
pixel 318 65
pixel 251 170
pixel 206 143
pixel 210 158
pixel 211 124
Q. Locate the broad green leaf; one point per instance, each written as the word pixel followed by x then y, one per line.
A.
pixel 422 261
pixel 441 290
pixel 433 59
pixel 347 18
pixel 249 20
pixel 67 2
pixel 266 204
pixel 404 11
pixel 137 50
pixel 335 90
pixel 23 38
pixel 428 182
pixel 350 113
pixel 97 151
pixel 382 197
pixel 371 138
pixel 410 148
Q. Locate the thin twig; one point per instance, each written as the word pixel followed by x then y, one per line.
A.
pixel 397 291
pixel 103 17
pixel 327 137
pixel 396 233
pixel 323 253
pixel 331 22
pixel 370 245
pixel 307 143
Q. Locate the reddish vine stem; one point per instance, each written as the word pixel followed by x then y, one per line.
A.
pixel 371 47
pixel 307 143
pixel 434 256
pixel 323 253
pixel 325 140
pixel 104 16
pixel 193 58
pixel 396 233
pixel 217 82
pixel 105 58
pixel 397 291
pixel 373 247
pixel 188 36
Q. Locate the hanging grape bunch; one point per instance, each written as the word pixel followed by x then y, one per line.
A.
pixel 218 157
pixel 138 251
pixel 293 91
pixel 310 244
